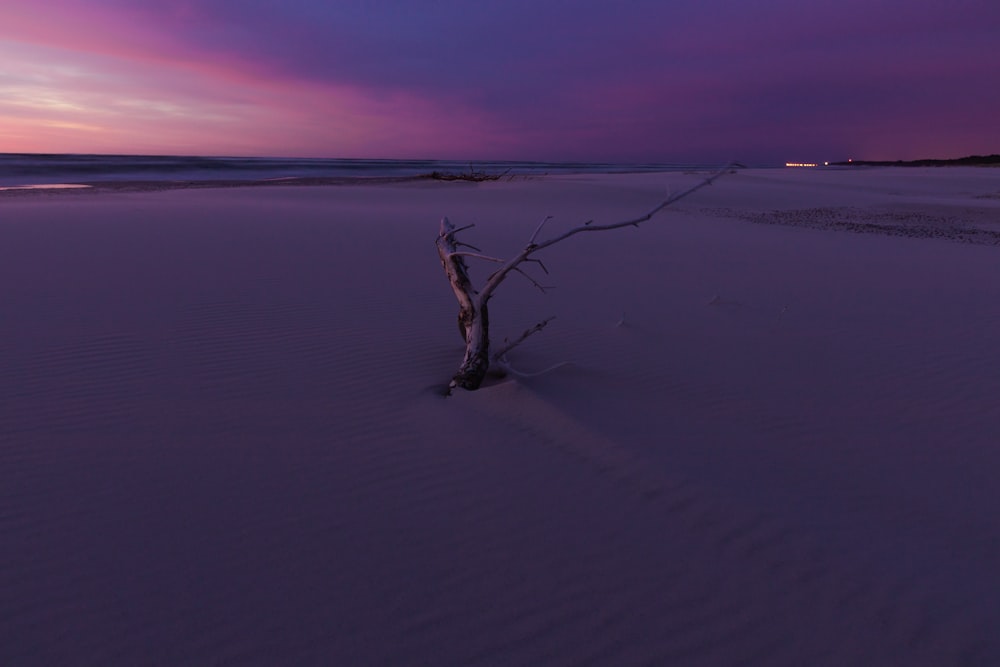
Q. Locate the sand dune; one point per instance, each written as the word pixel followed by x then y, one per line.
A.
pixel 223 440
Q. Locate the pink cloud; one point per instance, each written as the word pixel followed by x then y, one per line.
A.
pixel 83 79
pixel 522 80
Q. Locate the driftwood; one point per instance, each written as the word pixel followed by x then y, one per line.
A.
pixel 473 176
pixel 473 311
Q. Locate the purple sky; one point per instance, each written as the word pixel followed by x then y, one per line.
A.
pixel 622 80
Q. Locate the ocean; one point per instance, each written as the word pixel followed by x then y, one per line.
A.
pixel 20 169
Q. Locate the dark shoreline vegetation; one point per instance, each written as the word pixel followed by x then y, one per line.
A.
pixel 968 161
pixel 96 187
pixel 84 187
pixel 29 169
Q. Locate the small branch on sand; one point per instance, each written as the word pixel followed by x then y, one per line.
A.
pixel 500 357
pixel 510 345
pixel 473 315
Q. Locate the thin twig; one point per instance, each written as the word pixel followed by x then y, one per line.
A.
pixel 539 263
pixel 510 345
pixel 452 232
pixel 534 282
pixel 538 229
pixel 476 255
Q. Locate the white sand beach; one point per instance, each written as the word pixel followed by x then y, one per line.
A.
pixel 223 441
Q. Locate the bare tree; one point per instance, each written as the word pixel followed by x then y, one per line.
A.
pixel 473 311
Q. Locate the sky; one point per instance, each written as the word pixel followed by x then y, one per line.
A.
pixel 610 80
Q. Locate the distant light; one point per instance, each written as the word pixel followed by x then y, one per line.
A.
pixel 826 164
pixel 801 164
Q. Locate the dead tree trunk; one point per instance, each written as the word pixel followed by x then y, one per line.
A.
pixel 473 315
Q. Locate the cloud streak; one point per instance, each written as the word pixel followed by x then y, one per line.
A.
pixel 634 80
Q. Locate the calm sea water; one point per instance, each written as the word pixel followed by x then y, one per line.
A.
pixel 35 169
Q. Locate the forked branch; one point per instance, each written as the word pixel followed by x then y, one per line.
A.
pixel 534 246
pixel 510 345
pixel 473 317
